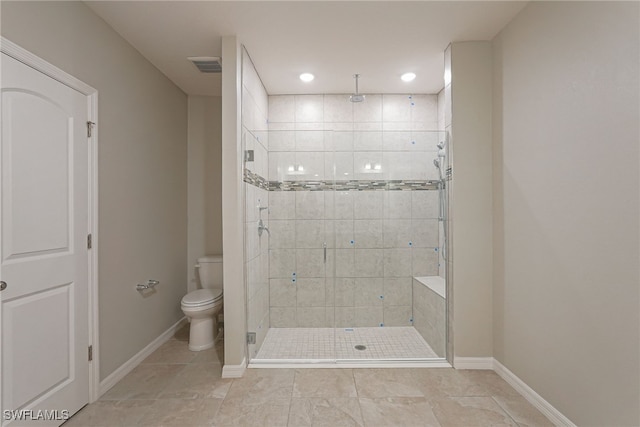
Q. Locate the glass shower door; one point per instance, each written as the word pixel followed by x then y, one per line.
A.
pixel 300 248
pixel 387 248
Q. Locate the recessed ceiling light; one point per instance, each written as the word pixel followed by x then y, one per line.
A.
pixel 307 77
pixel 407 77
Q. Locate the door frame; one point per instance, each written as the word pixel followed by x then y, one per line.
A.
pixel 20 54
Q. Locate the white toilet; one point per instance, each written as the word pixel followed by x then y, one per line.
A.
pixel 202 306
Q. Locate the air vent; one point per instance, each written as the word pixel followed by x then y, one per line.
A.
pixel 207 64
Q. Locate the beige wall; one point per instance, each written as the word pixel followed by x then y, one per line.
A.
pixel 142 169
pixel 470 205
pixel 205 181
pixel 232 211
pixel 566 185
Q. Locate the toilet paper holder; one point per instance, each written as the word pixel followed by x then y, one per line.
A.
pixel 149 285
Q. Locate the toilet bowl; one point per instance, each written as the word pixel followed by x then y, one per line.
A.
pixel 203 306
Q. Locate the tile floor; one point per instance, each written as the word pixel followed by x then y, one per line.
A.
pixel 175 387
pixel 318 343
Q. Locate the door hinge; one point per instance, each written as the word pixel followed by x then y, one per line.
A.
pixel 89 241
pixel 251 337
pixel 90 353
pixel 90 126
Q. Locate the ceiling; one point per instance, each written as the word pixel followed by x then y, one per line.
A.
pixel 380 40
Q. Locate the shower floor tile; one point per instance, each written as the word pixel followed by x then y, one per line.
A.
pixel 318 344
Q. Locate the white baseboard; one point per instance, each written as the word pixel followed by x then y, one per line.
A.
pixel 130 364
pixel 555 416
pixel 473 362
pixel 234 371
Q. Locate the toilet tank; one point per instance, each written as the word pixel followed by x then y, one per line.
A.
pixel 210 271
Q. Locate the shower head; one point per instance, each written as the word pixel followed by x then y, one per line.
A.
pixel 356 97
pixel 436 163
pixel 441 145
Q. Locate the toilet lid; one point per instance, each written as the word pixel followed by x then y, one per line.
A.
pixel 202 296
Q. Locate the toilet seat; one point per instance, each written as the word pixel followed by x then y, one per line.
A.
pixel 201 298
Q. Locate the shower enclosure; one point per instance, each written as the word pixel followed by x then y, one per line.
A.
pixel 352 240
pixel 344 227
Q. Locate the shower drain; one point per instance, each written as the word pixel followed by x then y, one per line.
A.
pixel 360 347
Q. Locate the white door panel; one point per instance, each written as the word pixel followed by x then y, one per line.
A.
pixel 44 258
pixel 41 147
pixel 51 336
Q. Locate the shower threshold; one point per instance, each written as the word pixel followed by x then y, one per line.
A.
pixel 346 347
pixel 346 364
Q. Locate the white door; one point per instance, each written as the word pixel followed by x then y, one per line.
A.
pixel 44 256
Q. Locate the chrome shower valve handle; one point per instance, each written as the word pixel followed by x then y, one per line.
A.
pixel 262 227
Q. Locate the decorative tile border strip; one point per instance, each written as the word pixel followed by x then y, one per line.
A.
pixel 255 180
pixel 351 185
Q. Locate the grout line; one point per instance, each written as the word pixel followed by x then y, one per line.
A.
pixel 504 410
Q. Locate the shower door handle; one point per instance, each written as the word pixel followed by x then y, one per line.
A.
pixel 324 248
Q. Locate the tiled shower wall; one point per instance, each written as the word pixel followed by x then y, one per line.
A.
pixel 381 238
pixel 254 133
pixel 441 125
